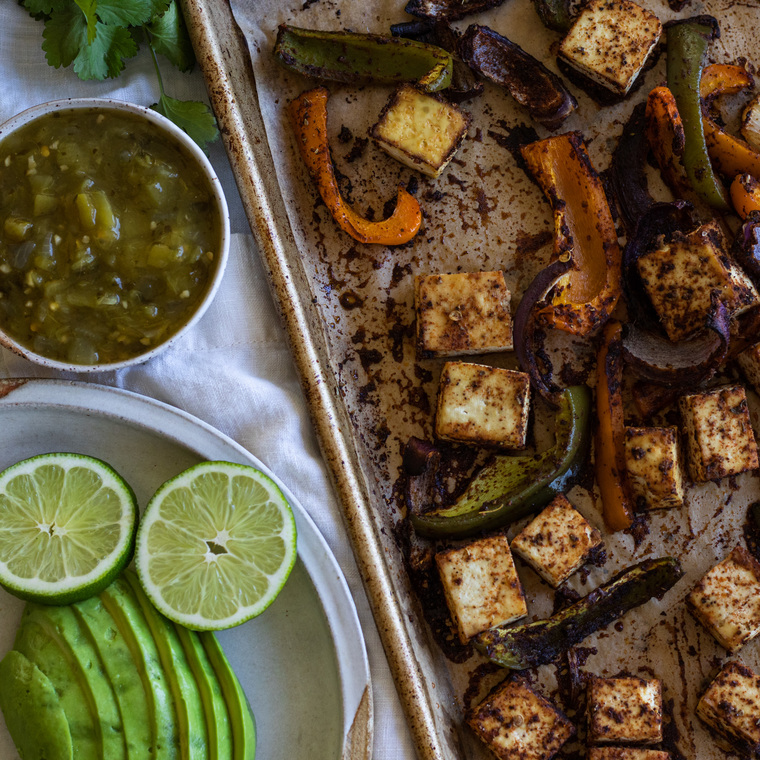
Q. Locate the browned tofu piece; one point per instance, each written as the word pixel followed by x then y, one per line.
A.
pixel 653 464
pixel 731 707
pixel 421 130
pixel 516 723
pixel 749 361
pixel 483 405
pixel 624 711
pixel 610 41
pixel 719 437
pixel 727 600
pixel 680 277
pixel 467 313
pixel 557 542
pixel 626 753
pixel 481 585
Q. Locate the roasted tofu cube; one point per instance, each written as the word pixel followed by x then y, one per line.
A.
pixel 481 585
pixel 484 405
pixel 516 723
pixel 654 469
pixel 749 361
pixel 727 600
pixel 465 313
pixel 731 707
pixel 422 131
pixel 719 437
pixel 626 753
pixel 610 42
pixel 624 711
pixel 751 123
pixel 557 542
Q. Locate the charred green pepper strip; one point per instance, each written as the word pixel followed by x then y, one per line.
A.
pixel 688 41
pixel 510 487
pixel 351 57
pixel 525 646
pixel 554 14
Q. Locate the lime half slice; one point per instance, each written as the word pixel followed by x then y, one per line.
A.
pixel 67 527
pixel 215 545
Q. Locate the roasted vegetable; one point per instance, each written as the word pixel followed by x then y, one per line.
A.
pixel 745 194
pixel 510 487
pixel 554 14
pixel 746 247
pixel 583 228
pixel 532 644
pixel 609 441
pixel 688 41
pixel 527 80
pixel 308 116
pixel 352 57
pixel 667 140
pixel 450 10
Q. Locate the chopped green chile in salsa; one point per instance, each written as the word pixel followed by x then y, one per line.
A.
pixel 109 236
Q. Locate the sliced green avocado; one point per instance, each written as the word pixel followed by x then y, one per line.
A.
pixel 191 719
pixel 63 624
pixel 217 716
pixel 37 644
pixel 122 670
pixel 33 713
pixel 121 604
pixel 241 716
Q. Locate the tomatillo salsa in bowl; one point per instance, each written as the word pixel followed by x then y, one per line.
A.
pixel 114 234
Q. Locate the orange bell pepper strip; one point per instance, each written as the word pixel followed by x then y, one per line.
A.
pixel 730 155
pixel 745 194
pixel 308 116
pixel 585 297
pixel 609 440
pixel 667 139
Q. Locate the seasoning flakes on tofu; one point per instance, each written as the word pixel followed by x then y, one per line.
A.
pixel 557 542
pixel 626 753
pixel 653 465
pixel 481 585
pixel 420 130
pixel 483 405
pixel 727 600
pixel 624 710
pixel 467 313
pixel 749 361
pixel 610 42
pixel 731 707
pixel 719 437
pixel 516 723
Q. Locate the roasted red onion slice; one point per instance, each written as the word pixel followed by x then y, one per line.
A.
pixel 421 461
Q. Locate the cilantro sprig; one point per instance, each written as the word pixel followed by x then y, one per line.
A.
pixel 96 37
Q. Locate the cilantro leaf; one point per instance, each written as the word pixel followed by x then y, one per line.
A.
pixel 169 37
pixel 192 116
pixel 104 58
pixel 129 12
pixel 43 7
pixel 65 34
pixel 88 8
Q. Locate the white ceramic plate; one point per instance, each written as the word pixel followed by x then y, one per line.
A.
pixel 302 663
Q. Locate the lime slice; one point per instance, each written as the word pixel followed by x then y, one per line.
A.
pixel 215 545
pixel 67 527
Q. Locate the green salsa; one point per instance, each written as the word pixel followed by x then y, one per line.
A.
pixel 109 235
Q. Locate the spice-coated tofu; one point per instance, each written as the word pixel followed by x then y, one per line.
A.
pixel 484 405
pixel 516 723
pixel 626 753
pixel 719 437
pixel 624 711
pixel 481 585
pixel 727 600
pixel 610 42
pixel 681 276
pixel 557 542
pixel 422 131
pixel 731 707
pixel 653 465
pixel 465 313
pixel 751 123
pixel 749 361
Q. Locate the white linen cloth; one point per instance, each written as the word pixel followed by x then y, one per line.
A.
pixel 233 369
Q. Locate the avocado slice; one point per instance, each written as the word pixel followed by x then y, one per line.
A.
pixel 122 671
pixel 39 647
pixel 191 719
pixel 121 604
pixel 241 716
pixel 33 713
pixel 63 623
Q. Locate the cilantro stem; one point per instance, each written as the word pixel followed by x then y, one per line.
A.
pixel 155 62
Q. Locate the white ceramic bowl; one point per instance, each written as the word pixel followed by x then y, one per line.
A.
pixel 195 152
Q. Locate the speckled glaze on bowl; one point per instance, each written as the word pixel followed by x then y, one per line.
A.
pixel 192 149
